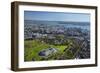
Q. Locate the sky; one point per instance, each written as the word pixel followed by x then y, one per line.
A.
pixel 56 16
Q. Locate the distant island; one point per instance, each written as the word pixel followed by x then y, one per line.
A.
pixel 57 22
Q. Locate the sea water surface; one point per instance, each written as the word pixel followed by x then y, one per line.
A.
pixel 66 24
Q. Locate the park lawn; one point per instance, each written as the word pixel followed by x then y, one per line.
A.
pixel 33 47
pixel 61 48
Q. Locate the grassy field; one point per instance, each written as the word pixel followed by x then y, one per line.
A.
pixel 33 47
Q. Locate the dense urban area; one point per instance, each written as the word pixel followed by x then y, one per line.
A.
pixel 56 40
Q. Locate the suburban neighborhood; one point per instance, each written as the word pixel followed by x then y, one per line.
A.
pixel 61 40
